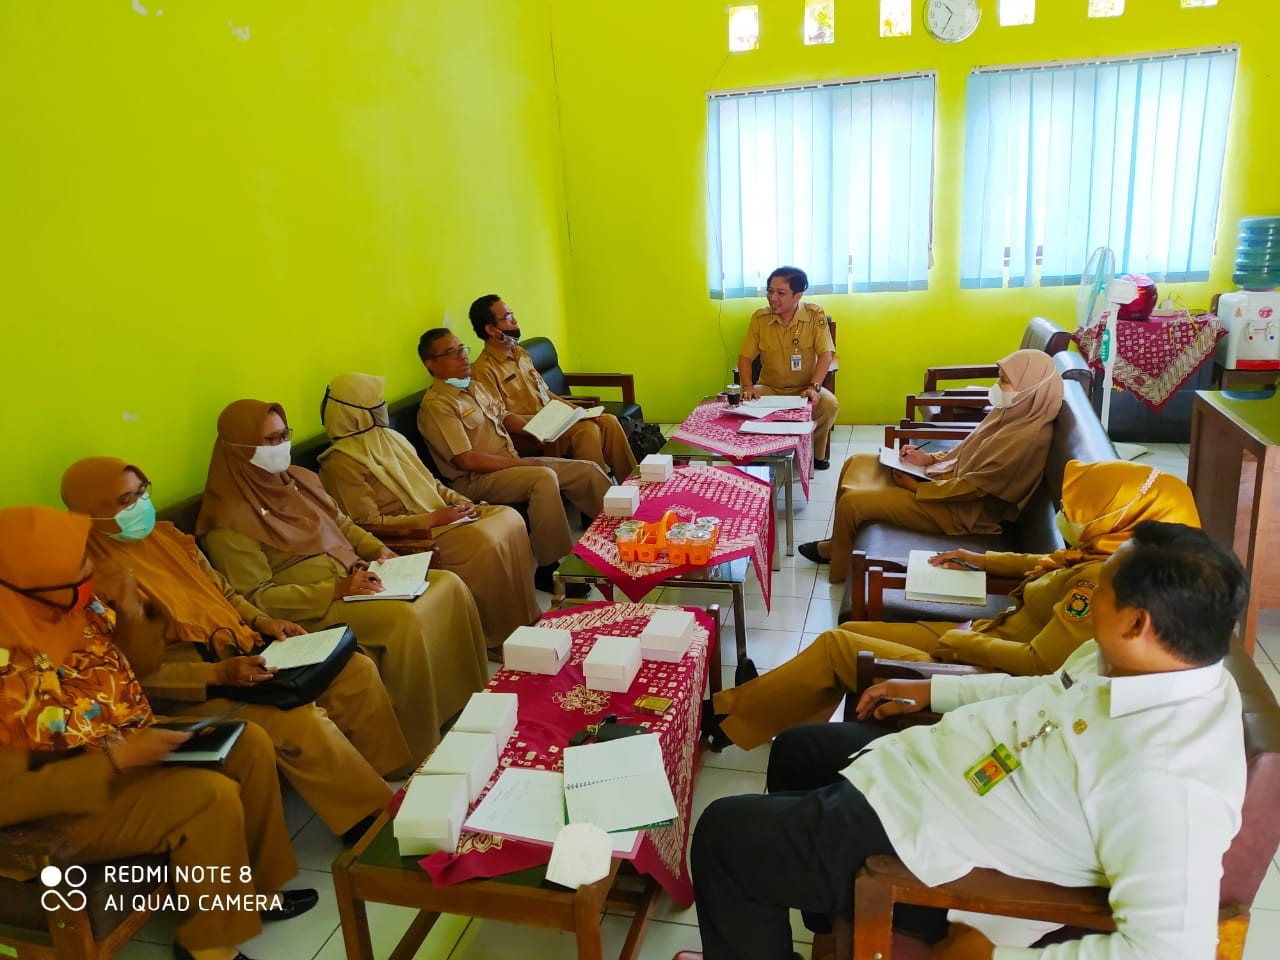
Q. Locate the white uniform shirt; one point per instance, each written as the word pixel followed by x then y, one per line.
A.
pixel 1138 787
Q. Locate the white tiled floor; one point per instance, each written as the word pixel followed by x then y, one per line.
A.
pixel 803 604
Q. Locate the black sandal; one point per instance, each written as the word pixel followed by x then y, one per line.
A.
pixel 810 552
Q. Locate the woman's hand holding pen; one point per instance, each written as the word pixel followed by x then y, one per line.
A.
pixel 914 453
pixel 891 697
pixel 361 581
pixel 959 560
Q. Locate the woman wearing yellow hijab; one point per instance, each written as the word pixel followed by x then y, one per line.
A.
pixel 68 697
pixel 375 476
pixel 1049 618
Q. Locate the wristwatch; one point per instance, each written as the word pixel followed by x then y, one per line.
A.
pixel 816 386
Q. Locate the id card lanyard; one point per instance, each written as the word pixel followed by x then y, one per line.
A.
pixel 795 355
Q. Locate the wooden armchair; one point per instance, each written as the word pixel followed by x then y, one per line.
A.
pixel 543 353
pixel 72 928
pixel 884 881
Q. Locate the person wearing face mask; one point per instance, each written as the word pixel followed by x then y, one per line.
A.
pixel 469 431
pixel 1050 615
pixel 374 475
pixel 184 629
pixel 507 370
pixel 984 480
pixel 78 742
pixel 283 545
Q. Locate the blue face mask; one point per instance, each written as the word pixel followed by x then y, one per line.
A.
pixel 460 382
pixel 136 521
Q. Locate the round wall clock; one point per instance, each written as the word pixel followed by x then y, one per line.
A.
pixel 951 21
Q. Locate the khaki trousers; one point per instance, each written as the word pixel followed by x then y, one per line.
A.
pixel 227 817
pixel 601 441
pixel 335 751
pixel 809 686
pixel 539 487
pixel 824 415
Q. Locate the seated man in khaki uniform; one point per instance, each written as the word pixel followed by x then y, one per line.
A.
pixel 795 348
pixel 469 434
pixel 507 370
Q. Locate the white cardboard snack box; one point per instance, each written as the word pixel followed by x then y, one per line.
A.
pixel 492 713
pixel 621 501
pixel 471 755
pixel 536 649
pixel 612 664
pixel 667 635
pixel 657 466
pixel 430 818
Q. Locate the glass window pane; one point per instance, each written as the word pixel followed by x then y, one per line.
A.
pixel 744 28
pixel 1017 13
pixel 1106 8
pixel 895 18
pixel 819 22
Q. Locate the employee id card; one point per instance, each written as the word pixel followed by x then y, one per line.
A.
pixel 991 770
pixel 795 363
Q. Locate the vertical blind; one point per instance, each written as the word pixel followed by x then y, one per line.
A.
pixel 837 180
pixel 1062 159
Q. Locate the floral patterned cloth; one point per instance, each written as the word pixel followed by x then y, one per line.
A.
pixel 709 427
pixel 1154 357
pixel 82 703
pixel 553 708
pixel 743 503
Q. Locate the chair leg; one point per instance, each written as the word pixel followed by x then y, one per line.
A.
pixel 873 913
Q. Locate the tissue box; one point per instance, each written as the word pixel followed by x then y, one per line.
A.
pixel 667 635
pixel 430 818
pixel 612 664
pixel 473 756
pixel 621 501
pixel 492 713
pixel 656 466
pixel 536 649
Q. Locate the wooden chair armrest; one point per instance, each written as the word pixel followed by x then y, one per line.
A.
pixel 933 374
pixel 32 844
pixel 989 891
pixel 885 575
pixel 942 401
pixel 919 431
pixel 625 382
pixel 581 401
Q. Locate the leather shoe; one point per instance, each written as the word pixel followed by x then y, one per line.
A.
pixel 353 834
pixel 293 903
pixel 821 464
pixel 810 552
pixel 716 737
pixel 182 953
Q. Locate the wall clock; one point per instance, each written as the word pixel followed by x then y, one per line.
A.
pixel 951 21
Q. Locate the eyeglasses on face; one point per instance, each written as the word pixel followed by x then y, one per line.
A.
pixel 459 351
pixel 127 500
pixel 275 439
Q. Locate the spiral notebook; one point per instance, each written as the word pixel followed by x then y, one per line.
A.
pixel 618 785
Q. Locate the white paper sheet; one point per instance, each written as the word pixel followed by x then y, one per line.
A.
pixel 402 577
pixel 618 785
pixel 940 585
pixel 304 650
pixel 779 428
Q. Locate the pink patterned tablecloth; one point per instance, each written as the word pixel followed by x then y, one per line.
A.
pixel 1154 357
pixel 553 708
pixel 743 503
pixel 710 428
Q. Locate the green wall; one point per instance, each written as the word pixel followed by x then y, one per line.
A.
pixel 633 79
pixel 190 217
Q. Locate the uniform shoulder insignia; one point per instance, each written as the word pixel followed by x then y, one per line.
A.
pixel 1079 604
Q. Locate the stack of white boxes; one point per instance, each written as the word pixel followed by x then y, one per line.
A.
pixel 491 713
pixel 667 635
pixel 621 501
pixel 430 818
pixel 536 649
pixel 656 467
pixel 612 664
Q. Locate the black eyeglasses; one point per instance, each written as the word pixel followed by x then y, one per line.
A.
pixel 461 351
pixel 275 439
pixel 142 493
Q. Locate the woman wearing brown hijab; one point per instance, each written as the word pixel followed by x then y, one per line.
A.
pixel 69 698
pixel 177 614
pixel 376 477
pixel 277 537
pixel 986 479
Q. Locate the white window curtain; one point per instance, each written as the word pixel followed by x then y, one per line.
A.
pixel 1062 159
pixel 836 180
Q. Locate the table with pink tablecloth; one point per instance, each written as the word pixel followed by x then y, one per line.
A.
pixel 1154 357
pixel 553 708
pixel 743 504
pixel 710 427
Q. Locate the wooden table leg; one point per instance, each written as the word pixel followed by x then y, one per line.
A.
pixel 352 915
pixel 789 497
pixel 639 924
pixel 586 915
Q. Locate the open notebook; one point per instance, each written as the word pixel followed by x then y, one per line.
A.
pixel 404 578
pixel 890 458
pixel 305 650
pixel 618 785
pixel 940 585
pixel 556 417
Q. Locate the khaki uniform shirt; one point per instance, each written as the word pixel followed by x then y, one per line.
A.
pixel 453 421
pixel 807 335
pixel 511 376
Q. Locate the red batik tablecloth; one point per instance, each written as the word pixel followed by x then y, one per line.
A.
pixel 709 427
pixel 553 708
pixel 743 503
pixel 1154 357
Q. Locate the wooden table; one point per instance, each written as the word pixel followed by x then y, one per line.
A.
pixel 1235 455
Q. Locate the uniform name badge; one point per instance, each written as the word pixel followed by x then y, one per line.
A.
pixel 991 770
pixel 795 363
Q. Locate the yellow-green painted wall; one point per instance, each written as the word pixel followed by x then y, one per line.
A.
pixel 633 78
pixel 230 198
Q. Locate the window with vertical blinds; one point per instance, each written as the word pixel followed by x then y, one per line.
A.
pixel 836 179
pixel 1060 159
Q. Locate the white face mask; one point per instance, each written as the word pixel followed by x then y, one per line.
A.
pixel 998 398
pixel 273 458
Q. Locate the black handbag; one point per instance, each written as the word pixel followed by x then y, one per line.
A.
pixel 294 687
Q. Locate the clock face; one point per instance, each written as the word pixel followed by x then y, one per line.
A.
pixel 951 20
